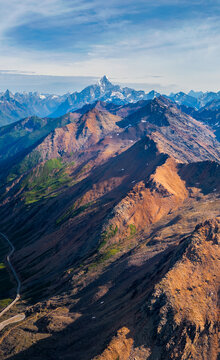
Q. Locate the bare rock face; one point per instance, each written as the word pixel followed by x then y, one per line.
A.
pixel 149 200
pixel 119 348
pixel 84 132
pixel 183 311
pixel 186 300
pixel 180 319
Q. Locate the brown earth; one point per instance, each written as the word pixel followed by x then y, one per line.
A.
pixel 111 263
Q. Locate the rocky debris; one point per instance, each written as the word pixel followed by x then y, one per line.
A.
pixel 180 318
pixel 119 347
pixel 184 307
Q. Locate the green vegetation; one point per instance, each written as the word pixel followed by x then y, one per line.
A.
pixel 132 229
pixel 29 162
pixel 111 250
pixel 80 209
pixel 4 303
pixel 102 244
pixel 72 211
pixel 2 266
pixel 44 181
pixel 24 134
pixel 109 253
pixel 25 165
pixel 84 169
pixel 106 255
pixel 108 234
pixel 11 177
pixel 66 215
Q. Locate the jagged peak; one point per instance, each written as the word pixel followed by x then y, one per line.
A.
pixel 8 94
pixel 104 81
pixel 153 92
pixel 161 100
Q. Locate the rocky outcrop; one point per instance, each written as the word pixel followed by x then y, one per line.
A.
pixel 150 199
pixel 119 347
pixel 180 318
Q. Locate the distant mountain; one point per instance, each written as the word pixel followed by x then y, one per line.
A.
pixel 194 99
pixel 209 115
pixel 213 105
pixel 39 104
pixel 20 105
pixel 195 94
pixel 183 99
pixel 10 108
pixel 208 97
pixel 103 91
pixel 16 106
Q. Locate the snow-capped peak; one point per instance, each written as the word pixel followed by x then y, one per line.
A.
pixel 42 97
pixel 8 95
pixel 104 82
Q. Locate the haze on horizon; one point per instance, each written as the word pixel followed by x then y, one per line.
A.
pixel 64 45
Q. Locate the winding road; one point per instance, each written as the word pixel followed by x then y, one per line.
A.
pixel 19 317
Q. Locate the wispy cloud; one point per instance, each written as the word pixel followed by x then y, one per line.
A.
pixel 20 72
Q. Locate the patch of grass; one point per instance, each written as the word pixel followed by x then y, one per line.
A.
pixel 66 215
pixel 44 181
pixel 25 165
pixel 106 255
pixel 4 303
pixel 29 162
pixel 109 253
pixel 132 229
pixel 102 244
pixel 11 177
pixel 80 209
pixel 2 266
pixel 72 212
pixel 19 136
pixel 84 169
pixel 108 234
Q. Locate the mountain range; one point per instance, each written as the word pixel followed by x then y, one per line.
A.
pixel 20 105
pixel 113 210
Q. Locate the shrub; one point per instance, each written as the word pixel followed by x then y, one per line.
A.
pixel 132 229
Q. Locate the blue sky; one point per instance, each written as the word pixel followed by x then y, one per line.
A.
pixel 167 45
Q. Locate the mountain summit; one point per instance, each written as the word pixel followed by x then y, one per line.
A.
pixel 105 83
pixel 16 106
pixel 103 91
